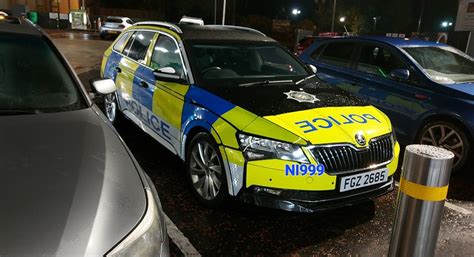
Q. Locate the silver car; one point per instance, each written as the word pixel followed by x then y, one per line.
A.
pixel 113 26
pixel 69 186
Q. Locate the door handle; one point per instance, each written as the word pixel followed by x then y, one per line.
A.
pixel 143 84
pixel 421 96
pixel 118 70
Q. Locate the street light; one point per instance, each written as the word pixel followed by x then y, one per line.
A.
pixel 376 18
pixel 446 25
pixel 296 12
pixel 343 20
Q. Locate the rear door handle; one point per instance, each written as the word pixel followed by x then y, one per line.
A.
pixel 421 96
pixel 144 84
pixel 118 70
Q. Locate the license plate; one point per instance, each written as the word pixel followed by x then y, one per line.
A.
pixel 364 179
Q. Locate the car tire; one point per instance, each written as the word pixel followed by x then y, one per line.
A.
pixel 449 136
pixel 205 171
pixel 111 109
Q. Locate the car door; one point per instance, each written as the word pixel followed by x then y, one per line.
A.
pixel 164 99
pixel 374 80
pixel 113 59
pixel 127 80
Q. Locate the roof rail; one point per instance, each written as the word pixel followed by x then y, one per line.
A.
pixel 241 28
pixel 191 20
pixel 161 24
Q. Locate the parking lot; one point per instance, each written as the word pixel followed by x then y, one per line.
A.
pixel 238 229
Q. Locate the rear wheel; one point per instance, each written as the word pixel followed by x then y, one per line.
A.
pixel 449 136
pixel 111 109
pixel 205 170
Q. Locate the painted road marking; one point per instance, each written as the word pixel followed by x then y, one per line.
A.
pixel 179 239
pixel 449 205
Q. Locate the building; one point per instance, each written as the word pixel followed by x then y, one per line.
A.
pixel 43 6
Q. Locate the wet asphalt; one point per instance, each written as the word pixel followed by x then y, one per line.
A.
pixel 237 229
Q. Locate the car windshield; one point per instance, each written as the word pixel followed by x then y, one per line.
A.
pixel 233 64
pixel 33 79
pixel 445 65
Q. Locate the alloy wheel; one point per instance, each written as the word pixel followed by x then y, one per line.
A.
pixel 445 137
pixel 205 170
pixel 111 107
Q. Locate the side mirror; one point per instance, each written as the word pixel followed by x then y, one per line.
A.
pixel 104 86
pixel 312 68
pixel 168 74
pixel 400 74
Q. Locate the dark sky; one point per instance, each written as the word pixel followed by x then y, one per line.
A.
pixel 396 15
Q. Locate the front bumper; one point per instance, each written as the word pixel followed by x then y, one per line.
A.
pixel 311 201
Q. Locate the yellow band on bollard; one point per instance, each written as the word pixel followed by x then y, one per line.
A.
pixel 421 192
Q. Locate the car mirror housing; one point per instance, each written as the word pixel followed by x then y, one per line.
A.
pixel 400 74
pixel 104 86
pixel 168 74
pixel 312 68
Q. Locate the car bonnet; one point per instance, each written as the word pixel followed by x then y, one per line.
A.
pixel 68 186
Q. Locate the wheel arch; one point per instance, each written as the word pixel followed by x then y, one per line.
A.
pixel 447 117
pixel 192 130
pixel 201 126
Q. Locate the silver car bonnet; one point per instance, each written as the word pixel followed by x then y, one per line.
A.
pixel 67 186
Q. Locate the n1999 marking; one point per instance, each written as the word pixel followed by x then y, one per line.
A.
pixel 303 169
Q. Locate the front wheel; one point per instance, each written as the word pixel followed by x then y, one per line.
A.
pixel 449 136
pixel 206 171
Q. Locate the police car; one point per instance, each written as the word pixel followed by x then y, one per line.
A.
pixel 248 119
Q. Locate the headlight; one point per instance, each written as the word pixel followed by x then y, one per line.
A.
pixel 147 237
pixel 394 137
pixel 256 148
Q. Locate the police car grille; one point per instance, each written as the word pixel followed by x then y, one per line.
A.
pixel 344 158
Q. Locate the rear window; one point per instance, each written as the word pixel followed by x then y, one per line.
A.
pixel 121 42
pixel 114 20
pixel 33 79
pixel 337 54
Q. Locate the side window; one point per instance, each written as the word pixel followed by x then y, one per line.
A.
pixel 337 54
pixel 138 45
pixel 378 61
pixel 166 54
pixel 121 42
pixel 129 21
pixel 317 52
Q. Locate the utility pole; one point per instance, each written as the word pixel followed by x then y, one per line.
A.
pixel 233 12
pixel 421 15
pixel 215 11
pixel 333 15
pixel 223 12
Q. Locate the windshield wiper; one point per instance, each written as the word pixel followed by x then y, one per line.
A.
pixel 7 112
pixel 266 82
pixel 305 79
